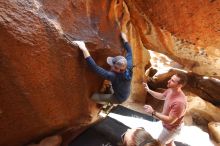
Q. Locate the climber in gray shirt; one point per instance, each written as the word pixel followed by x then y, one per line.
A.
pixel 120 74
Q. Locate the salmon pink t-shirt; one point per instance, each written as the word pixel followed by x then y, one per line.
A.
pixel 174 105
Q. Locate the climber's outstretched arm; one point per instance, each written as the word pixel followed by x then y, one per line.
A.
pixel 128 49
pixel 101 71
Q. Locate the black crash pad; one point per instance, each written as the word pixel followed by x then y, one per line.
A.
pixel 107 132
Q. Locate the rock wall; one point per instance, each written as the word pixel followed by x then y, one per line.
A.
pixel 186 31
pixel 140 54
pixel 45 82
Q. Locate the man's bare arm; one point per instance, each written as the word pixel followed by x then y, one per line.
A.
pixel 157 95
pixel 164 118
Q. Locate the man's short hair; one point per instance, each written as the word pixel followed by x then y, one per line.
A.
pixel 183 78
pixel 143 138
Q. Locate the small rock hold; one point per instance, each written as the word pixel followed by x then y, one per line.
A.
pixel 211 1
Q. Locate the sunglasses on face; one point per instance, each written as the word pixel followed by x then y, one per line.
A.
pixel 118 69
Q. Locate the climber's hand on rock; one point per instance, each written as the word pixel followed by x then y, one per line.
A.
pixel 124 37
pixel 80 44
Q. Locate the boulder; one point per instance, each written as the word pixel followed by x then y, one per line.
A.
pixel 214 131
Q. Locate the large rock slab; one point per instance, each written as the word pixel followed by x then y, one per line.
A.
pixel 186 31
pixel 45 82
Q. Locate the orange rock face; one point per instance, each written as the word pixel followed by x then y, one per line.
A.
pixel 187 31
pixel 45 83
pixel 195 21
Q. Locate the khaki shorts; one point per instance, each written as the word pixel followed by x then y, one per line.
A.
pixel 167 136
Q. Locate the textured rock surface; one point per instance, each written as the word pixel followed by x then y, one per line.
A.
pixel 202 112
pixel 45 83
pixel 214 130
pixel 187 31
